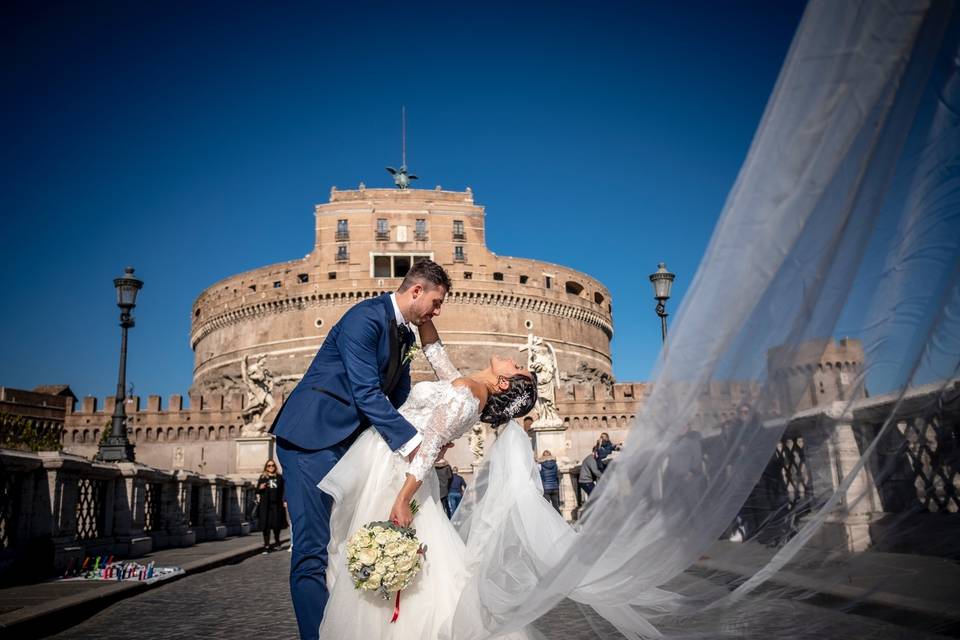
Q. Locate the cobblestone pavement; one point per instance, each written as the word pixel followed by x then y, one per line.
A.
pixel 251 599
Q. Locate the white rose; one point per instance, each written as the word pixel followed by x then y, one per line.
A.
pixel 382 539
pixel 373 581
pixel 404 565
pixel 367 556
pixel 393 549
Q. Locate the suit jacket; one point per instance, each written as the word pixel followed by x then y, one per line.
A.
pixel 356 380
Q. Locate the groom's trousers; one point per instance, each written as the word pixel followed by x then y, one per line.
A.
pixel 310 522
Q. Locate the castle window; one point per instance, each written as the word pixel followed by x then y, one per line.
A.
pixel 277 284
pixel 395 265
pixel 252 287
pixel 383 229
pixel 458 255
pixel 498 276
pixel 382 267
pixel 343 231
pixel 598 297
pixel 420 231
pixel 468 275
pixel 303 278
pixel 523 279
pixel 458 231
pixel 196 314
pixel 342 255
pixel 331 275
pixel 574 288
pixel 401 265
pixel 548 281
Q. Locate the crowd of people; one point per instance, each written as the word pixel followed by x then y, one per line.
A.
pixel 591 468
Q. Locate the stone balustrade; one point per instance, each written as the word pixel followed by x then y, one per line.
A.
pixel 910 483
pixel 57 508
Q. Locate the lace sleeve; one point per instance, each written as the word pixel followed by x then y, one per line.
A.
pixel 437 357
pixel 433 438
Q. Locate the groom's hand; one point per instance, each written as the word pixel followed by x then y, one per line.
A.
pixel 413 454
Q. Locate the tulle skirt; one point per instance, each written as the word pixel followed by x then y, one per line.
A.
pixel 364 485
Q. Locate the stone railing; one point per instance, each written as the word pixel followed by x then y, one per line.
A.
pixel 911 483
pixel 57 508
pixel 906 498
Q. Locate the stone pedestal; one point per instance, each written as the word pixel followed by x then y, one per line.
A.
pixel 252 453
pixel 832 454
pixel 551 436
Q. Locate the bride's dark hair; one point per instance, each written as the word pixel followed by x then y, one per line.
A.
pixel 516 400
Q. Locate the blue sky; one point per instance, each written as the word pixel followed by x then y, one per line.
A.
pixel 193 141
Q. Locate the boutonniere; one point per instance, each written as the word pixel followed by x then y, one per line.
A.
pixel 410 353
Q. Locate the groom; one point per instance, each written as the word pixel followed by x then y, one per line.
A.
pixel 357 380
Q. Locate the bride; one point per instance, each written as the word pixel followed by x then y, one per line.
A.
pixel 371 481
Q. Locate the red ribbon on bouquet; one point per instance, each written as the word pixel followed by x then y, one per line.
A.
pixel 396 609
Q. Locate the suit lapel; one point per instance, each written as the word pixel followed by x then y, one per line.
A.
pixel 389 381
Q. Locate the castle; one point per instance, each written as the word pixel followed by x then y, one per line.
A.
pixel 254 334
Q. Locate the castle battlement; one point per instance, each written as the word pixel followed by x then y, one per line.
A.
pixel 405 195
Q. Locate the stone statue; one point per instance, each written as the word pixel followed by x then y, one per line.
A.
pixel 401 177
pixel 259 383
pixel 477 442
pixel 542 360
pixel 585 374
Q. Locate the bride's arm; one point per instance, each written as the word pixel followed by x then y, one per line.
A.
pixel 400 513
pixel 435 433
pixel 435 353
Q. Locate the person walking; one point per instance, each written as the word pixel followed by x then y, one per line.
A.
pixel 272 508
pixel 458 486
pixel 444 476
pixel 550 478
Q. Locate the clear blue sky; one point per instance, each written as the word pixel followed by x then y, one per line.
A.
pixel 193 141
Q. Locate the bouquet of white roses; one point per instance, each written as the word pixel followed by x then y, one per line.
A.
pixel 385 558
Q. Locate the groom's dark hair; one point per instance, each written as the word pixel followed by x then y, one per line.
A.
pixel 426 272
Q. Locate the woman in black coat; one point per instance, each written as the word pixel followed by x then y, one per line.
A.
pixel 272 512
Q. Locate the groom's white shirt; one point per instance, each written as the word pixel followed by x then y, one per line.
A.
pixel 413 442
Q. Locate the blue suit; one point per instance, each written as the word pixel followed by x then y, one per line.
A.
pixel 356 380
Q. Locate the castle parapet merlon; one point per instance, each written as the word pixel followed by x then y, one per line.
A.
pixel 628 391
pixel 214 402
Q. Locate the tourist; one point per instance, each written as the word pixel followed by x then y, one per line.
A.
pixel 272 509
pixel 604 450
pixel 444 476
pixel 589 472
pixel 550 478
pixel 528 429
pixel 458 486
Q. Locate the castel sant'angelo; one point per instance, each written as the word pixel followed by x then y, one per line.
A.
pixel 254 334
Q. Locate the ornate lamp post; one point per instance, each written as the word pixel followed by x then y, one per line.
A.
pixel 662 281
pixel 116 447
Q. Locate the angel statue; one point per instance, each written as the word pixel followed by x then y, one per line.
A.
pixel 542 360
pixel 258 382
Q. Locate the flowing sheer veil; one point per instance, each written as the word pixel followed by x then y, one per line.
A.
pixel 807 398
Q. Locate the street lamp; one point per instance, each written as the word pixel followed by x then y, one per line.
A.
pixel 662 280
pixel 116 447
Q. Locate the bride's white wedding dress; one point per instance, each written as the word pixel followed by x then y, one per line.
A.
pixel 364 485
